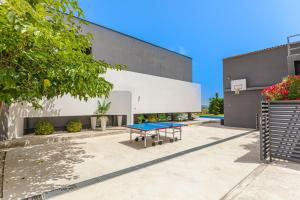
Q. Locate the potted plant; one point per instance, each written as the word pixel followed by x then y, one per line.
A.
pixel 93 122
pixel 102 110
pixel 119 119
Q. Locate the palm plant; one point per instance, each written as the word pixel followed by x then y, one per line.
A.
pixel 102 107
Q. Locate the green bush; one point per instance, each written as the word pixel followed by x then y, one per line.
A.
pixel 162 117
pixel 204 111
pixel 74 126
pixel 140 119
pixel 180 117
pixel 152 118
pixel 216 105
pixel 43 128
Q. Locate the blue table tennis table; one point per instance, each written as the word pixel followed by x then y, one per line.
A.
pixel 144 130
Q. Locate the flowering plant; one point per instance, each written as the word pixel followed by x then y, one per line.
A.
pixel 288 89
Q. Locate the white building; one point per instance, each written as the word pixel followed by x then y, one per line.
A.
pixel 157 81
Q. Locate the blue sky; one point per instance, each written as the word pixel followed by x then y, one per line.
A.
pixel 207 30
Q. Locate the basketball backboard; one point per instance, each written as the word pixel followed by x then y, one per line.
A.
pixel 238 85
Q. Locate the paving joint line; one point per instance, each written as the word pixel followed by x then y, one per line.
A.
pixel 244 183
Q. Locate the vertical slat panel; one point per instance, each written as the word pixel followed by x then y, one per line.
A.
pixel 264 132
pixel 284 128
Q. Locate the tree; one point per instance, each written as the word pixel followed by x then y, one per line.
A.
pixel 43 53
pixel 216 105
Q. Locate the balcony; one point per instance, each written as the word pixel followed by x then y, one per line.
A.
pixel 293 45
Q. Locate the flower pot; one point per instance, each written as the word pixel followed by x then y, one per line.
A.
pixel 119 118
pixel 93 122
pixel 103 121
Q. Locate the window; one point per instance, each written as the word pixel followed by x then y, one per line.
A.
pixel 297 67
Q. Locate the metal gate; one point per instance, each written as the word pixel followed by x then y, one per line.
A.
pixel 280 130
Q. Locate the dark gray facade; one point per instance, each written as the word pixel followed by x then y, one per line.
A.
pixel 139 56
pixel 261 69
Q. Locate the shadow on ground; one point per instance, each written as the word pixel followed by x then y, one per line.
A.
pixel 253 155
pixel 138 145
pixel 31 170
pixel 286 164
pixel 253 150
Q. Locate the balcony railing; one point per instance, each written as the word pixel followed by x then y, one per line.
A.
pixel 293 44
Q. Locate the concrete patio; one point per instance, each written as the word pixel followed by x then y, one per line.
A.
pixel 224 170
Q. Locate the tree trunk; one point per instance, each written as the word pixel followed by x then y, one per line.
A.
pixel 1 106
pixel 3 121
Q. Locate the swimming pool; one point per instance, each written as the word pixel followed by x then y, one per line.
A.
pixel 212 117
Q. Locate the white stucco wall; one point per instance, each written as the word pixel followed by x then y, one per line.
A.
pixel 153 94
pixel 133 93
pixel 121 104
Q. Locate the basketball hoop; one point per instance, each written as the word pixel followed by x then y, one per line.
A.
pixel 238 85
pixel 237 89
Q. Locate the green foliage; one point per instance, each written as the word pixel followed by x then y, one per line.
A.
pixel 287 89
pixel 216 105
pixel 102 107
pixel 42 51
pixel 176 117
pixel 204 111
pixel 152 118
pixel 180 116
pixel 162 117
pixel 294 87
pixel 74 126
pixel 44 128
pixel 140 119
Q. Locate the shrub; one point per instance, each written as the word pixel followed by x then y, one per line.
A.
pixel 204 111
pixel 162 117
pixel 288 89
pixel 74 126
pixel 140 119
pixel 43 128
pixel 152 118
pixel 216 105
pixel 180 116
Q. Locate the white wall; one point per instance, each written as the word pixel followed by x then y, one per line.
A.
pixel 153 94
pixel 121 104
pixel 133 93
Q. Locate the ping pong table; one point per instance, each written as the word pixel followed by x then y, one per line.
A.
pixel 144 130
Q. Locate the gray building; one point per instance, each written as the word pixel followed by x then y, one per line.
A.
pixel 140 56
pixel 261 69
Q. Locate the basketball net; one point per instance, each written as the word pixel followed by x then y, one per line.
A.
pixel 237 89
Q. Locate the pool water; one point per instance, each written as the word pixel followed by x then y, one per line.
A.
pixel 212 117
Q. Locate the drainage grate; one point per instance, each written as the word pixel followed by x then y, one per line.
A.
pixel 37 197
pixel 115 174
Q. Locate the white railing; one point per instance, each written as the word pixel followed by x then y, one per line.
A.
pixel 293 42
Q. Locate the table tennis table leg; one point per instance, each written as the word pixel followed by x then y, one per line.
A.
pixel 145 140
pixel 173 134
pixel 180 132
pixel 165 133
pixel 130 133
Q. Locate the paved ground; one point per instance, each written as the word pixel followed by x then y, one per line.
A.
pixel 208 173
pixel 277 181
